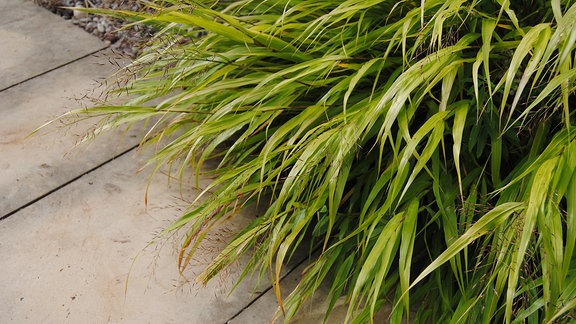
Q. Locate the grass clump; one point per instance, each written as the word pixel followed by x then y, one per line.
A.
pixel 423 148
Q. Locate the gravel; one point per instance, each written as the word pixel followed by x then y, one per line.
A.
pixel 127 41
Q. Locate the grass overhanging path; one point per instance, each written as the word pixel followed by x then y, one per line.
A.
pixel 425 147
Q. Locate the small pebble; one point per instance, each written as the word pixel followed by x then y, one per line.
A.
pixel 100 27
pixel 90 26
pixel 79 14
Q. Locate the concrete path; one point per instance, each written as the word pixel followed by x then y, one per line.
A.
pixel 73 222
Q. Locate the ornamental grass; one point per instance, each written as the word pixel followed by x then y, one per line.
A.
pixel 423 150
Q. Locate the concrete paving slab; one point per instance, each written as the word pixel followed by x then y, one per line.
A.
pixel 65 259
pixel 31 167
pixel 35 41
